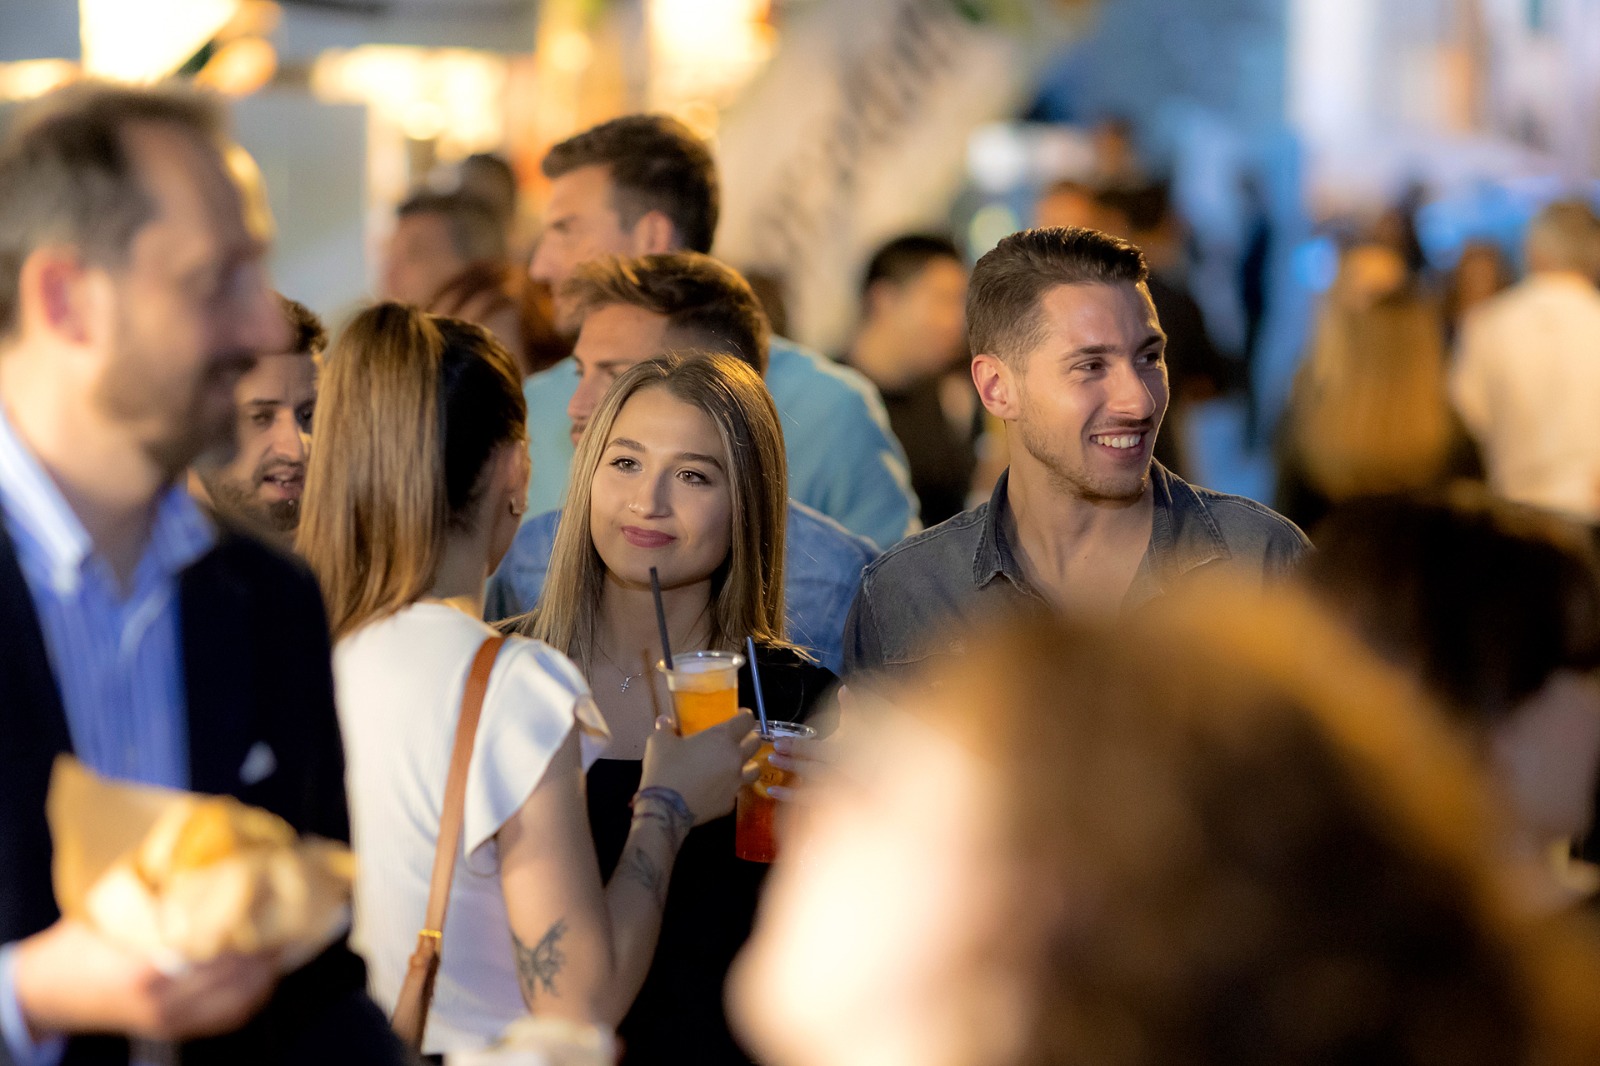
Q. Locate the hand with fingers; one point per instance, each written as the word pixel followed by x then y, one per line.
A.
pixel 812 759
pixel 706 769
pixel 71 979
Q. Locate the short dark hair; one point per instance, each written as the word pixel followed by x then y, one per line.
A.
pixel 905 257
pixel 706 303
pixel 476 231
pixel 309 336
pixel 66 174
pixel 1003 316
pixel 656 163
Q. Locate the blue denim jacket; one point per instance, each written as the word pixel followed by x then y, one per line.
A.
pixel 822 571
pixel 918 598
pixel 843 459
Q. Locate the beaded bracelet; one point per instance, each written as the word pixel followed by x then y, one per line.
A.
pixel 671 797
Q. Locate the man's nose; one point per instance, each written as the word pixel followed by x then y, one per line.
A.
pixel 287 439
pixel 1131 395
pixel 544 266
pixel 584 400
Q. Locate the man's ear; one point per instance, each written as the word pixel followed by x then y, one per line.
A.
pixel 654 234
pixel 997 386
pixel 54 293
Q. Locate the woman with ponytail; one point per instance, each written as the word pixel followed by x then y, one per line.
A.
pixel 417 480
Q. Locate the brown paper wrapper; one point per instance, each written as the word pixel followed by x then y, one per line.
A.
pixel 183 878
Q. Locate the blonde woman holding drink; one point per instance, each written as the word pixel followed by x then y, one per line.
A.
pixel 681 469
pixel 416 482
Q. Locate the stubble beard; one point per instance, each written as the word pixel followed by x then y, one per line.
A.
pixel 1075 481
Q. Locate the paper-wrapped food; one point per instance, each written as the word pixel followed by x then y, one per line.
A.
pixel 182 877
pixel 544 1042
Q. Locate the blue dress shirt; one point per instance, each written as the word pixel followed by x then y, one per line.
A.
pixel 116 653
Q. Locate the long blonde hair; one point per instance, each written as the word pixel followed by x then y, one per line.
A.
pixel 1371 410
pixel 411 408
pixel 747 590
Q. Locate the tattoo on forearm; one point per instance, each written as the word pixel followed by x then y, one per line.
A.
pixel 672 821
pixel 538 966
pixel 640 868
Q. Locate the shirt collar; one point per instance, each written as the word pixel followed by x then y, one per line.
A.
pixel 1183 535
pixel 51 531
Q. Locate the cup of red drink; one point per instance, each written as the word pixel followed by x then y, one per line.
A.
pixel 754 835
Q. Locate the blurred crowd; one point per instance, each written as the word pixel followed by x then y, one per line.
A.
pixel 1073 759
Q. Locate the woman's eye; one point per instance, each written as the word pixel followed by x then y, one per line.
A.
pixel 623 462
pixel 694 477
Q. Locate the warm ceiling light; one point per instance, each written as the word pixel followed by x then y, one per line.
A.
pixel 29 78
pixel 240 67
pixel 149 40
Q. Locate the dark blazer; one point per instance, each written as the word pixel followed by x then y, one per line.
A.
pixel 258 668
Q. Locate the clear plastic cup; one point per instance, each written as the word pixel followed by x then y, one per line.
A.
pixel 705 688
pixel 755 837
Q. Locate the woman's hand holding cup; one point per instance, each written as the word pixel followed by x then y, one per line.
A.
pixel 706 769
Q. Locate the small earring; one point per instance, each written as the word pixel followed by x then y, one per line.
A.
pixel 518 512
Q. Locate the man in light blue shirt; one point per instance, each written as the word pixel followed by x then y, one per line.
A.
pixel 645 184
pixel 631 310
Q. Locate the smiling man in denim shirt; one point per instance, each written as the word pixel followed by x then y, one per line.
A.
pixel 1069 354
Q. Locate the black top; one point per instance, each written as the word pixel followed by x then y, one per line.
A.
pixel 711 901
pixel 940 456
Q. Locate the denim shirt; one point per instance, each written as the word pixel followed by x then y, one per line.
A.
pixel 822 571
pixel 920 597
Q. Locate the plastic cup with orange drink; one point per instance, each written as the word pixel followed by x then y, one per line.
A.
pixel 705 688
pixel 754 836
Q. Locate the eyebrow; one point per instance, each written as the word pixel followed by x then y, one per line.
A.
pixel 1111 349
pixel 682 457
pixel 263 403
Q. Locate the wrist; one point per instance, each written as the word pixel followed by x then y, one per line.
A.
pixel 665 806
pixel 32 1003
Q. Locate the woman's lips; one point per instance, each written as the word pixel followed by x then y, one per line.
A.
pixel 646 538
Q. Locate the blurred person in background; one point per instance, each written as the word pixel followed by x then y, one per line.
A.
pixel 133 634
pixel 1067 351
pixel 1067 204
pixel 631 310
pixel 1262 852
pixel 415 491
pixel 436 237
pixel 1527 370
pixel 1196 371
pixel 681 468
pixel 1482 271
pixel 911 338
pixel 645 184
pixel 448 255
pixel 256 481
pixel 1116 155
pixel 1495 609
pixel 1370 410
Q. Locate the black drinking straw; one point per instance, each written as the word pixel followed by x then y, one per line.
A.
pixel 755 683
pixel 661 618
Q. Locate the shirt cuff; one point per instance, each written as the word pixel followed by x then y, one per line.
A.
pixel 24 1051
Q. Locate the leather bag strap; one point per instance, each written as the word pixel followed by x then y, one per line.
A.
pixel 410 1018
pixel 455 787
